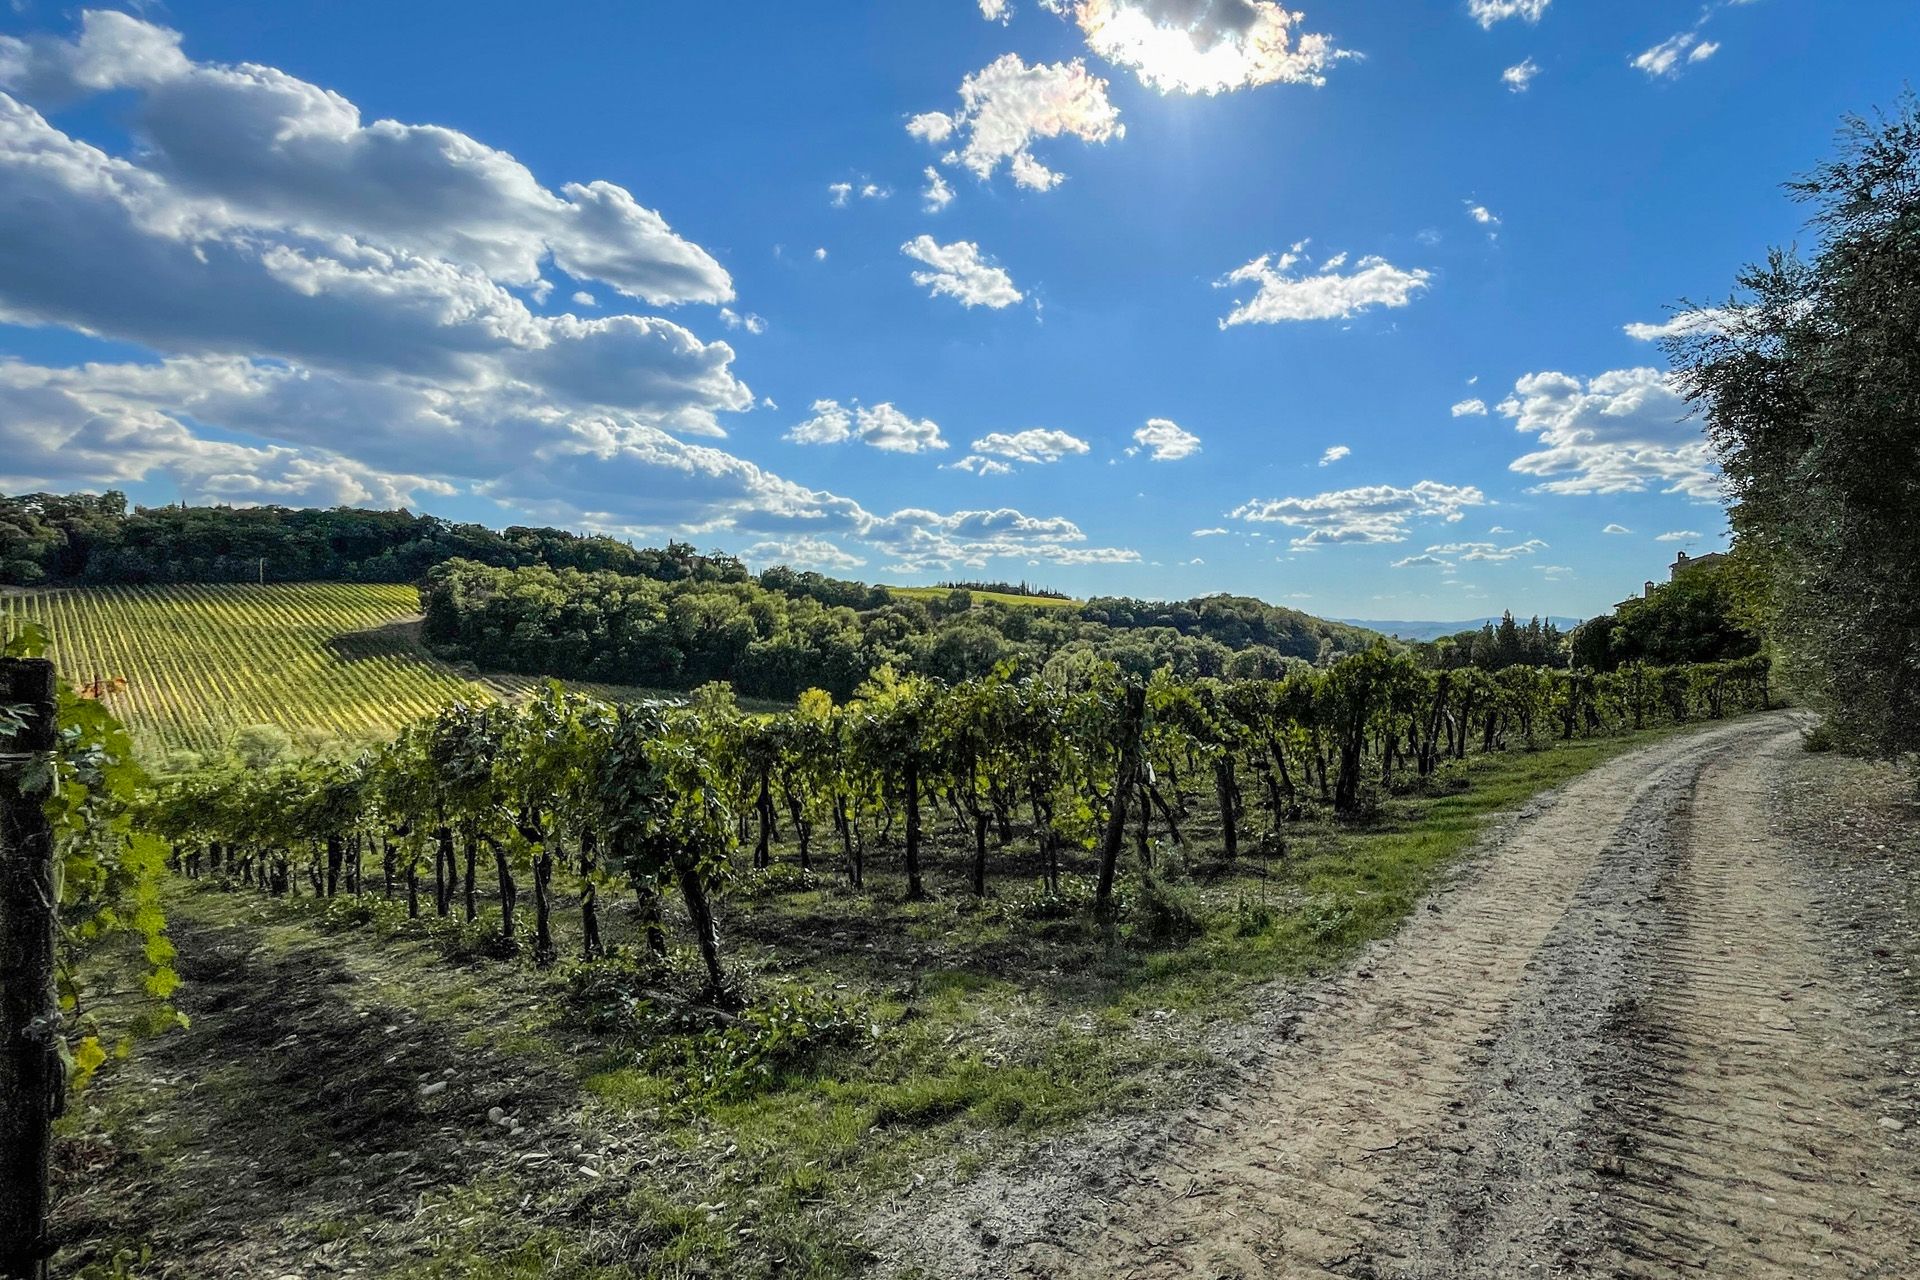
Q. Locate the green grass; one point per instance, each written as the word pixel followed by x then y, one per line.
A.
pixel 995 597
pixel 322 660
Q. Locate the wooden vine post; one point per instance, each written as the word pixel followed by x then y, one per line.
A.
pixel 32 1077
pixel 1125 778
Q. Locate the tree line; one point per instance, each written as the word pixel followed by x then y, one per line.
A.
pixel 622 629
pixel 95 539
pixel 1808 376
pixel 652 800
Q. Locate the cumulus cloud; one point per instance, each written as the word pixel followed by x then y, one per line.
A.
pixel 1679 535
pixel 1007 105
pixel 1426 561
pixel 803 553
pixel 1470 408
pixel 996 10
pixel 1164 441
pixel 1333 291
pixel 981 466
pixel 1519 77
pixel 1037 445
pixel 938 195
pixel 961 271
pixel 101 244
pixel 1482 215
pixel 1489 12
pixel 920 539
pixel 253 145
pixel 101 426
pixel 1488 551
pixel 1334 455
pixel 734 320
pixel 881 426
pixel 1203 46
pixel 1369 514
pixel 1621 432
pixel 1616 528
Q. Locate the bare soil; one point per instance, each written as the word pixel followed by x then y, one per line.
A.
pixel 1666 1022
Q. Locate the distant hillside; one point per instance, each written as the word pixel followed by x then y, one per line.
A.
pixel 324 661
pixel 1416 631
pixel 546 601
pixel 1009 598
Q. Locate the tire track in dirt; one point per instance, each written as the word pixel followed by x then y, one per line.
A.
pixel 1338 1157
pixel 1764 1153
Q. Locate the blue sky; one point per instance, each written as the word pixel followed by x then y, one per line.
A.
pixel 1153 297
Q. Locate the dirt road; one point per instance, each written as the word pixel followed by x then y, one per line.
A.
pixel 1635 1041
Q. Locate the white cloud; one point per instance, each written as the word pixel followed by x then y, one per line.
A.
pixel 882 426
pixel 101 426
pixel 1616 528
pixel 1208 533
pixel 1482 215
pixel 1334 455
pixel 1488 551
pixel 1554 572
pixel 1037 445
pixel 840 193
pixel 1370 514
pixel 1428 561
pixel 980 466
pixel 1007 105
pixel 1213 46
pixel 802 553
pixel 734 320
pixel 819 255
pixel 1621 432
pixel 1488 12
pixel 921 539
pixel 252 146
pixel 1329 293
pixel 1470 408
pixel 1519 77
pixel 1679 535
pixel 938 195
pixel 996 10
pixel 1682 324
pixel 1667 58
pixel 582 298
pixel 1164 441
pixel 961 271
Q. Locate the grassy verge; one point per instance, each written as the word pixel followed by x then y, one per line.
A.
pixel 952 1033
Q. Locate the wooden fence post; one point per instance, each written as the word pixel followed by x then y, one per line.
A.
pixel 32 1077
pixel 1125 777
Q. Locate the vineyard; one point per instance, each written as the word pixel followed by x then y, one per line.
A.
pixel 324 661
pixel 799 951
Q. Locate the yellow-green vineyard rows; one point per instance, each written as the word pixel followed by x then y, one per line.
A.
pixel 328 660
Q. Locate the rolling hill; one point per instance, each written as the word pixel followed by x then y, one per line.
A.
pixel 322 660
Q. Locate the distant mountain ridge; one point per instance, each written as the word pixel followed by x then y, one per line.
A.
pixel 1403 630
